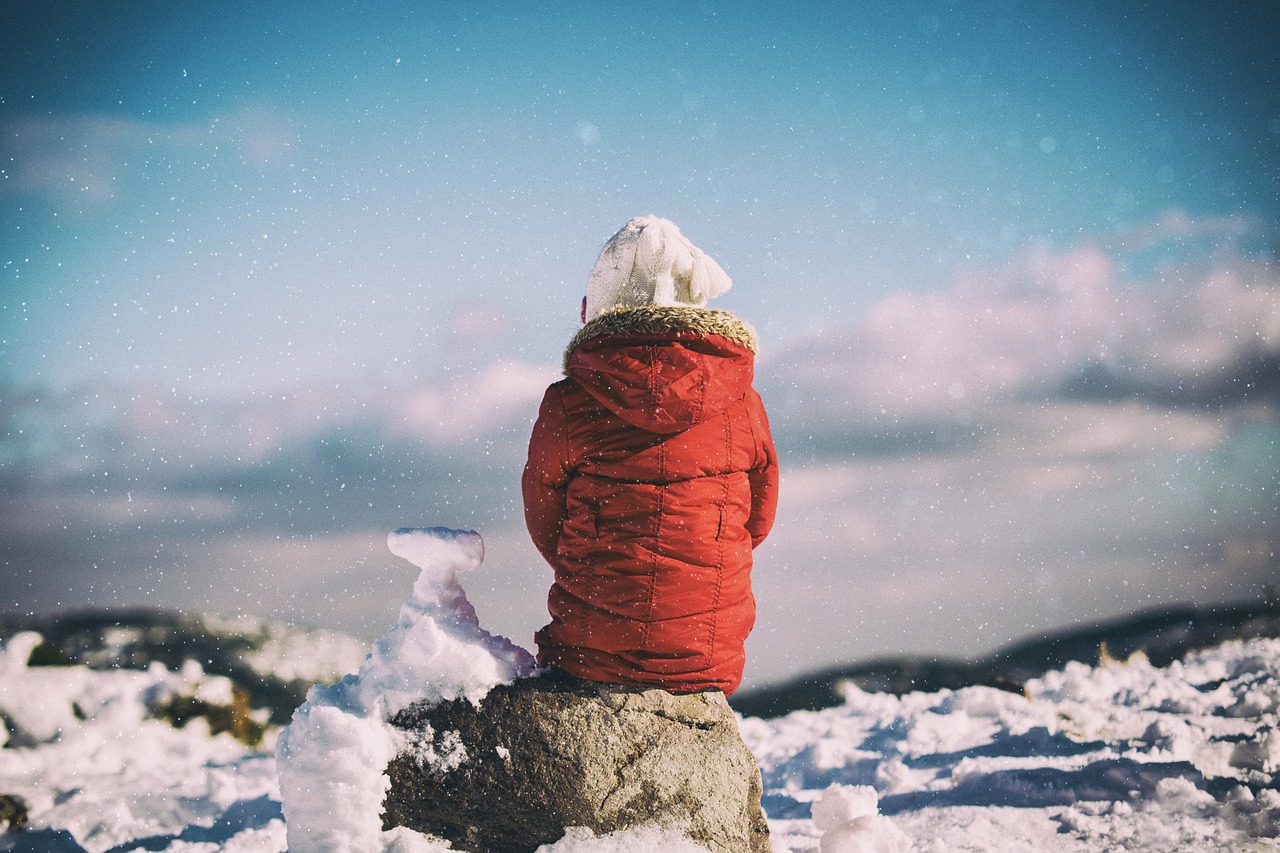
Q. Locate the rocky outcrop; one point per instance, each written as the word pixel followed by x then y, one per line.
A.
pixel 544 754
pixel 13 813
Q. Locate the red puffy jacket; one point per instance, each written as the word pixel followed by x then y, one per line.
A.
pixel 651 476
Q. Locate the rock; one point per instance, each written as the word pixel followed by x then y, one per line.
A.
pixel 544 754
pixel 13 813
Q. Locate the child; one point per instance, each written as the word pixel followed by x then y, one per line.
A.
pixel 651 474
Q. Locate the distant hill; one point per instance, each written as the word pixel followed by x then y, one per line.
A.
pixel 1163 634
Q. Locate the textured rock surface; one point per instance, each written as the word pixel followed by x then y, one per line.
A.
pixel 544 754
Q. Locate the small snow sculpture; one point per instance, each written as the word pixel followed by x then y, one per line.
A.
pixel 332 758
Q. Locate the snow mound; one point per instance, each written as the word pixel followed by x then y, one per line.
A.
pixel 332 758
pixel 1117 756
pixel 97 769
pixel 850 822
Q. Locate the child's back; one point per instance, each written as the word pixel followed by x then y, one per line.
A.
pixel 651 475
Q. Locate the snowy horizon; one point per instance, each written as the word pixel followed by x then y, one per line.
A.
pixel 275 282
pixel 1124 754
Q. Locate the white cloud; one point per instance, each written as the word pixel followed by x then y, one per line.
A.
pixel 90 159
pixel 1035 323
pixel 474 404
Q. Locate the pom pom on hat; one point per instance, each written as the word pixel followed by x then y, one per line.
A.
pixel 649 262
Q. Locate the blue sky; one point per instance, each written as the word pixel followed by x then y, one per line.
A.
pixel 276 280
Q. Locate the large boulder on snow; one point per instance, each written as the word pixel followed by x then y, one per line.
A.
pixel 543 754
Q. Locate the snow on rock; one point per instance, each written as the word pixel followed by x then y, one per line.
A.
pixel 332 758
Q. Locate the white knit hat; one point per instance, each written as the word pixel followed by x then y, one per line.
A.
pixel 649 262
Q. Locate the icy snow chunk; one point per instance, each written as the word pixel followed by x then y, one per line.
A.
pixel 1179 794
pixel 850 822
pixel 984 702
pixel 17 651
pixel 932 733
pixel 332 758
pixel 39 703
pixel 1260 753
pixel 1255 701
pixel 1258 816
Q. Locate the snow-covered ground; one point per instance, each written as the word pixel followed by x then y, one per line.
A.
pixel 1121 756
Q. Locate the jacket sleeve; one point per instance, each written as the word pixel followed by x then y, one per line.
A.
pixel 546 475
pixel 763 477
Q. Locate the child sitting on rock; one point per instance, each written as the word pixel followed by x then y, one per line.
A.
pixel 652 474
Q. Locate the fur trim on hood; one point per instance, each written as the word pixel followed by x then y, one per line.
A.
pixel 665 319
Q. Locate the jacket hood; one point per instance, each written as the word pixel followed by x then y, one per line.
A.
pixel 661 368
